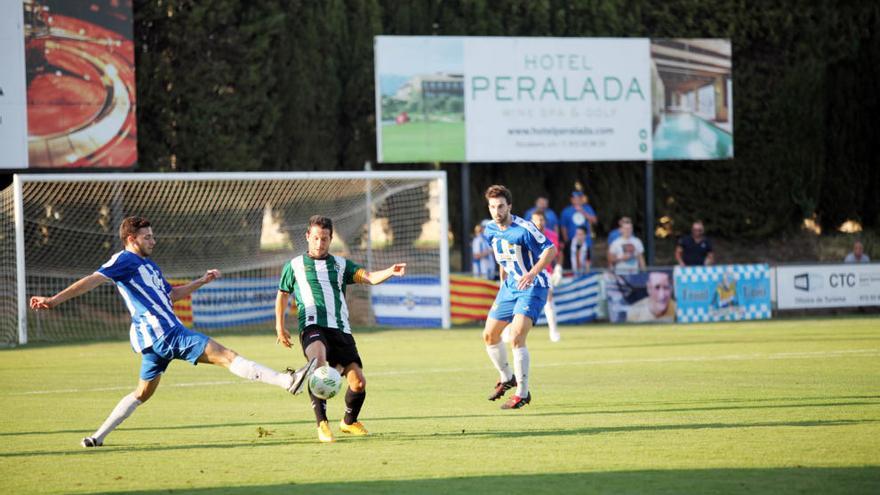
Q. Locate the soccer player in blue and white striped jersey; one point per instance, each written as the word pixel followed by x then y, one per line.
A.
pixel 156 333
pixel 522 252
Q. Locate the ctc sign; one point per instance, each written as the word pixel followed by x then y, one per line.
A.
pixel 842 279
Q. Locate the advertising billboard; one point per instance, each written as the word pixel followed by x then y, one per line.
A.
pixel 827 286
pixel 722 293
pixel 644 297
pixel 494 99
pixel 67 91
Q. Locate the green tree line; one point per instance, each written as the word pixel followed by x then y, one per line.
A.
pixel 288 85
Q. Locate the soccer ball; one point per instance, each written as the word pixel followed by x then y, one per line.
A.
pixel 325 382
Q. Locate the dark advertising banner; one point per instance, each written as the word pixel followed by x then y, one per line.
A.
pixel 646 297
pixel 68 98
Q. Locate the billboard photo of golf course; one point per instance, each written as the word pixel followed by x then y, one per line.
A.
pixel 420 100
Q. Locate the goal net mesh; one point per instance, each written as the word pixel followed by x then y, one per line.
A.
pixel 8 300
pixel 246 228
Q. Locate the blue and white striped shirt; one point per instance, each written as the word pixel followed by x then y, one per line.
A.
pixel 147 295
pixel 518 248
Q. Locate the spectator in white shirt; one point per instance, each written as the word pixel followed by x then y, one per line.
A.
pixel 857 255
pixel 627 254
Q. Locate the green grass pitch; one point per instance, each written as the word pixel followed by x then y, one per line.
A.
pixel 424 142
pixel 771 407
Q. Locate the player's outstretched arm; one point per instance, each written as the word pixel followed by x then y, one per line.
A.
pixel 75 289
pixel 182 291
pixel 280 306
pixel 395 270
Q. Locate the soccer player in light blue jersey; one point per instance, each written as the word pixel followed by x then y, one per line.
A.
pixel 156 333
pixel 522 252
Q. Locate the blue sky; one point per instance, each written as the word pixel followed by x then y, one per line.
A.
pixel 410 55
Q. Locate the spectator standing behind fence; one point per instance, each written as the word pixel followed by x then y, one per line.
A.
pixel 612 236
pixel 695 249
pixel 578 214
pixel 858 254
pixel 579 253
pixel 542 206
pixel 482 258
pixel 627 253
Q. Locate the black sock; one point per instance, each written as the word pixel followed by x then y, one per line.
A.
pixel 320 408
pixel 354 401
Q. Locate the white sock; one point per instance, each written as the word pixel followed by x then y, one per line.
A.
pixel 122 410
pixel 521 369
pixel 498 355
pixel 550 313
pixel 246 368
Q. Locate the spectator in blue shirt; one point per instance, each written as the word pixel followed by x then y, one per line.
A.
pixel 579 214
pixel 542 205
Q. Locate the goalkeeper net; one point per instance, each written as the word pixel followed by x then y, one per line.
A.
pixel 246 225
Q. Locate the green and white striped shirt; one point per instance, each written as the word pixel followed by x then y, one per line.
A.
pixel 318 286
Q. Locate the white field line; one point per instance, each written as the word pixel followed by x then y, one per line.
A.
pixel 597 362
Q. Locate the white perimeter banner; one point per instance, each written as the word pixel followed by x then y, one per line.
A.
pixel 827 286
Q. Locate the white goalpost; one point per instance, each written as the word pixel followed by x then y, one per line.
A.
pixel 56 228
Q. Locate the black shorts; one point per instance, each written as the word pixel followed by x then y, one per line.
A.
pixel 341 348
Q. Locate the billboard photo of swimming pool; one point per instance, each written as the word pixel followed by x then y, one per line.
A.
pixel 692 99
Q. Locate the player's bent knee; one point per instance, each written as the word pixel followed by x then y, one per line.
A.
pixel 215 353
pixel 491 336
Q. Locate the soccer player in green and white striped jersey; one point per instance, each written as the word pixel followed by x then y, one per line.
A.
pixel 317 281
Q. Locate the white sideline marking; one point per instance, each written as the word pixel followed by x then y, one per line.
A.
pixel 125 387
pixel 674 359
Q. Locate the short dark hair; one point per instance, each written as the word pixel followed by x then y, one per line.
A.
pixel 498 191
pixel 321 221
pixel 130 226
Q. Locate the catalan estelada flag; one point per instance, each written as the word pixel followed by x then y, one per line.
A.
pixel 470 298
pixel 183 308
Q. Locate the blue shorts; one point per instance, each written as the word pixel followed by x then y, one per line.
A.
pixel 529 302
pixel 178 343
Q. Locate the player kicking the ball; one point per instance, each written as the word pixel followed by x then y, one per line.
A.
pixel 317 280
pixel 156 333
pixel 522 252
